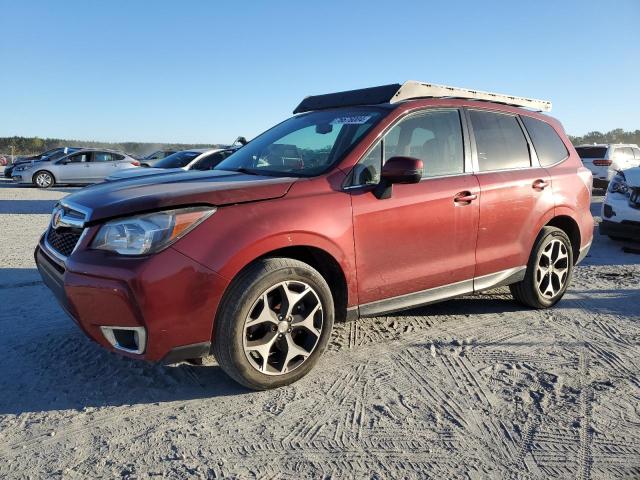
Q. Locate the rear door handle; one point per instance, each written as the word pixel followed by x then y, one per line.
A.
pixel 464 198
pixel 539 184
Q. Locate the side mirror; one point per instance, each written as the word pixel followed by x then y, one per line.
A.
pixel 402 170
pixel 398 170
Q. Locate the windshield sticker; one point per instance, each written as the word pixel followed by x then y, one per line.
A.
pixel 351 120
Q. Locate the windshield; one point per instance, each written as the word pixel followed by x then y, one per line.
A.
pixel 60 153
pixel 177 160
pixel 305 145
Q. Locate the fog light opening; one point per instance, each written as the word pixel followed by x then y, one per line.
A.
pixel 127 339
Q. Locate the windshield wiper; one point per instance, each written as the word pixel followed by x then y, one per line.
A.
pixel 248 171
pixel 259 172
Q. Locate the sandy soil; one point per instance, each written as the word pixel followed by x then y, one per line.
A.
pixel 472 388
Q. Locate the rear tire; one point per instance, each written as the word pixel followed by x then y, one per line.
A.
pixel 273 324
pixel 549 270
pixel 44 179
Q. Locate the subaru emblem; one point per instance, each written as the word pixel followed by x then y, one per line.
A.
pixel 55 219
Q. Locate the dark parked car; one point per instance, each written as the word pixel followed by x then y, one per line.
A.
pixel 154 157
pixel 186 160
pixel 363 203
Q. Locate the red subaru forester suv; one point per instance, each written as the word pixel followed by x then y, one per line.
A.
pixel 365 202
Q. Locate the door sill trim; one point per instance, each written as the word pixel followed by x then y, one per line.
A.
pixel 499 279
pixel 444 292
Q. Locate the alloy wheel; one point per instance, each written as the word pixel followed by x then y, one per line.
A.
pixel 283 327
pixel 43 180
pixel 553 269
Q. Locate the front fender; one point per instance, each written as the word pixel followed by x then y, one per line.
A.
pixel 237 235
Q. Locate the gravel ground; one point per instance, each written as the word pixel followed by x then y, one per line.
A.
pixel 472 388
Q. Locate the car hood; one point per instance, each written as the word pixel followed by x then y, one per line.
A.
pixel 141 172
pixel 156 192
pixel 32 160
pixel 633 176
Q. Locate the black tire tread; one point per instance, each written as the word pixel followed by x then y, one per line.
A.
pixel 223 346
pixel 522 291
pixel 53 178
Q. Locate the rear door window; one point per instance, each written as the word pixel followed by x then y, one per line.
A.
pixel 549 146
pixel 636 153
pixel 500 142
pixel 102 157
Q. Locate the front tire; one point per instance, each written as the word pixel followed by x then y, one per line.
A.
pixel 44 179
pixel 273 324
pixel 548 272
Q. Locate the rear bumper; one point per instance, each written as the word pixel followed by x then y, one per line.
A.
pixel 624 229
pixel 170 297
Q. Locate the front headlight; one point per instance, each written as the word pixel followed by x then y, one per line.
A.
pixel 149 233
pixel 619 184
pixel 20 168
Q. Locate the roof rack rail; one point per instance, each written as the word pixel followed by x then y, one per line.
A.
pixel 413 89
pixel 395 93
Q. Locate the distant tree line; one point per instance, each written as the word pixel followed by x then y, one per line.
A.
pixel 617 135
pixel 33 145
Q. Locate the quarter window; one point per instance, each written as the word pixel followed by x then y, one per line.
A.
pixel 500 142
pixel 367 171
pixel 549 147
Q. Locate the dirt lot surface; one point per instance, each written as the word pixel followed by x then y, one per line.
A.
pixel 472 388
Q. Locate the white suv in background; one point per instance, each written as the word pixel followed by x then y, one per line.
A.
pixel 621 206
pixel 604 160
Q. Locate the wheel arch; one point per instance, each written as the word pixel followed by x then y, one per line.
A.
pixel 320 259
pixel 33 177
pixel 569 226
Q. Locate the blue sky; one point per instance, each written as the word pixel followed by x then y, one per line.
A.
pixel 207 71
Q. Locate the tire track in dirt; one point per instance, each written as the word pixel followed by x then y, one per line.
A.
pixel 586 399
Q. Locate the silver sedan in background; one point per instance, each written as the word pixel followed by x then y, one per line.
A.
pixel 82 167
